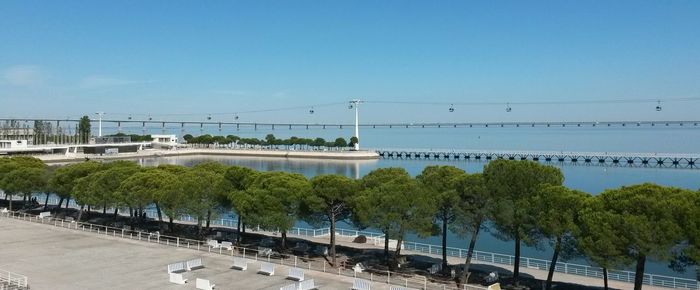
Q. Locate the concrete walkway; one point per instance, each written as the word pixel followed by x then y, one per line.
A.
pixel 343 156
pixel 56 258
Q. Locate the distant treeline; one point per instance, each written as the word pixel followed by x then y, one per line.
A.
pixel 134 137
pixel 270 139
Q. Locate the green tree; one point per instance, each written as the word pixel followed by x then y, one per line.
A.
pixel 648 219
pixel 84 129
pixel 474 210
pixel 203 189
pixel 330 203
pixel 689 209
pixel 85 192
pixel 397 206
pixel 270 139
pixel 318 142
pixel 240 179
pixel 514 183
pixel 440 182
pixel 24 180
pixel 279 197
pixel 601 238
pixel 64 178
pixel 109 179
pixel 555 210
pixel 158 186
pixel 219 197
pixel 370 215
pixel 353 141
pixel 137 192
pixel 340 142
pixel 10 180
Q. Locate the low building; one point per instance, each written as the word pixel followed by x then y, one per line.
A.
pixel 164 140
pixel 10 133
pixel 13 144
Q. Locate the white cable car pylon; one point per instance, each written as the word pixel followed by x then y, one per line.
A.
pixel 355 103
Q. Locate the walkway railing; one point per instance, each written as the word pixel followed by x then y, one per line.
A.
pixel 561 267
pixel 12 280
pixel 388 277
pixel 487 257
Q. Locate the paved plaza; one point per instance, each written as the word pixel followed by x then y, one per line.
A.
pixel 58 258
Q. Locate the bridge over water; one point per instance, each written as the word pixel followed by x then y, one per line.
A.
pixel 679 160
pixel 154 124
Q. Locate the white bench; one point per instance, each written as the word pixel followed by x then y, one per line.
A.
pixel 240 263
pixel 394 287
pixel 176 267
pixel 177 279
pixel 361 284
pixel 204 284
pixel 289 287
pixel 45 214
pixel 307 285
pixel 267 268
pixel 194 264
pixel 296 274
pixel 226 245
pixel 213 244
pixel 359 268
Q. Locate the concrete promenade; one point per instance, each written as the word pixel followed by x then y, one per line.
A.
pixel 322 155
pixel 56 258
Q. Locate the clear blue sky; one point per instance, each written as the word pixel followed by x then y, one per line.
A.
pixel 66 58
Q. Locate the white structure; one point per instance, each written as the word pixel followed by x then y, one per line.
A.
pixel 99 115
pixel 356 104
pixel 13 144
pixel 164 140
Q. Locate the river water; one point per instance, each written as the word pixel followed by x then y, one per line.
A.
pixel 591 178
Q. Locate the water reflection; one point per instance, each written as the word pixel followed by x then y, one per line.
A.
pixel 307 167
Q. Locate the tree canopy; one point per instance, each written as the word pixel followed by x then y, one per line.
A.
pixel 514 183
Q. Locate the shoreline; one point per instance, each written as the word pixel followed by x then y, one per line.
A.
pixel 287 154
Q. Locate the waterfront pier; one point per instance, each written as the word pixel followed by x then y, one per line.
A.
pixel 687 160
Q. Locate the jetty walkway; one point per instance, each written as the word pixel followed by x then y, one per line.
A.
pixel 682 160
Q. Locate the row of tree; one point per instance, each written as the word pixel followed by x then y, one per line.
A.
pixel 270 140
pixel 520 201
pixel 133 137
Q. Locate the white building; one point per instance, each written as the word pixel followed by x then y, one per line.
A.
pixel 164 140
pixel 13 144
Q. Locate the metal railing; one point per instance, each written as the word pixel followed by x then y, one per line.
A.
pixel 12 280
pixel 487 257
pixel 388 277
pixel 561 267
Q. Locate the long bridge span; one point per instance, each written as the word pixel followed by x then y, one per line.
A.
pixel 155 124
pixel 678 160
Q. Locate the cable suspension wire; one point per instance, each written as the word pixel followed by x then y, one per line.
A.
pixel 305 107
pixel 572 102
pixel 451 104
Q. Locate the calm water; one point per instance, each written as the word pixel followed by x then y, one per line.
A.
pixel 590 178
